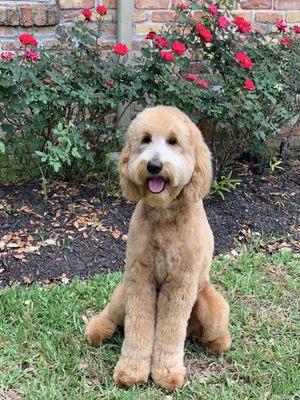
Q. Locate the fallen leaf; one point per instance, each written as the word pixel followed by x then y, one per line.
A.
pixel 31 249
pixel 116 234
pixel 12 245
pixel 64 279
pixel 26 280
pixel 50 242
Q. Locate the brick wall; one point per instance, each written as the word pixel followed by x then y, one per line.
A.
pixel 151 14
pixel 43 18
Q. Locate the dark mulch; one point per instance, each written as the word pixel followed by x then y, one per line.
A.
pixel 75 233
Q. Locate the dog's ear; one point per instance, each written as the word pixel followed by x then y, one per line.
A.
pixel 129 189
pixel 200 183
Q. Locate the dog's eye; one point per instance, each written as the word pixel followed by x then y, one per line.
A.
pixel 146 139
pixel 172 141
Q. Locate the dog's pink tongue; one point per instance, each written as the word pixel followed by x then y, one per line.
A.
pixel 156 184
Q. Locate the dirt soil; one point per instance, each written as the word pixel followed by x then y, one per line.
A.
pixel 76 233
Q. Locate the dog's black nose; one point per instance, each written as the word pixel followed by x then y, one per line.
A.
pixel 154 166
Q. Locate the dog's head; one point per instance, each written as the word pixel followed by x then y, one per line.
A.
pixel 164 157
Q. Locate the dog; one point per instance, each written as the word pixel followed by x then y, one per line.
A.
pixel 166 294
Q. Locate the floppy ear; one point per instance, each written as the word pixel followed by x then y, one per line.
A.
pixel 200 183
pixel 129 189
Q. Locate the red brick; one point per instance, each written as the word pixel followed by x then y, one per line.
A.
pixel 140 16
pixel 11 45
pixel 26 16
pixel 248 15
pixel 176 2
pixel 75 4
pixel 257 4
pixel 136 45
pixel 39 15
pixel 12 16
pixel 110 29
pixel 163 16
pixel 110 3
pixel 141 29
pixel 198 15
pixel 287 4
pixel 69 15
pixel 267 17
pixel 2 15
pixel 44 31
pixel 293 16
pixel 6 31
pixel 52 15
pixel 152 4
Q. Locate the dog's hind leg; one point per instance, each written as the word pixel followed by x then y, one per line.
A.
pixel 209 320
pixel 103 326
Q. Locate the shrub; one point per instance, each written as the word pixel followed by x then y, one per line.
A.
pixel 222 70
pixel 58 108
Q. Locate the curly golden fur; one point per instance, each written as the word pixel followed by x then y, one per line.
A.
pixel 166 294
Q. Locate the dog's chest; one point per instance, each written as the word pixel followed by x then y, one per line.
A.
pixel 166 258
pixel 161 268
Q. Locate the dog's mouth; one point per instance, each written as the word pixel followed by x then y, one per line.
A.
pixel 156 184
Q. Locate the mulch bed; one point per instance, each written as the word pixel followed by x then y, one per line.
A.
pixel 76 233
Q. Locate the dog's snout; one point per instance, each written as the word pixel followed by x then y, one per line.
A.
pixel 154 166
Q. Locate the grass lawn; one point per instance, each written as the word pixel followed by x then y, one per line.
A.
pixel 43 354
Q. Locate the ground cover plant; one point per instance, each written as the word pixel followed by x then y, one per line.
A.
pixel 44 355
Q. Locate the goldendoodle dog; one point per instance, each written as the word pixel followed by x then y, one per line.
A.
pixel 166 295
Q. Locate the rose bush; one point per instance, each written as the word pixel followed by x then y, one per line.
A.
pixel 58 108
pixel 242 82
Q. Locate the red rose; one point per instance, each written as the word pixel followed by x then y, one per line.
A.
pixel 102 10
pixel 202 83
pixel 178 48
pixel 182 6
pixel 286 42
pixel 7 55
pixel 167 55
pixel 244 60
pixel 204 33
pixel 87 14
pixel 121 48
pixel 281 25
pixel 151 35
pixel 32 55
pixel 110 82
pixel 296 28
pixel 249 85
pixel 213 9
pixel 191 77
pixel 28 39
pixel 161 42
pixel 223 22
pixel 243 25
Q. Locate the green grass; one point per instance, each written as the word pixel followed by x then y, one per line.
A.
pixel 43 354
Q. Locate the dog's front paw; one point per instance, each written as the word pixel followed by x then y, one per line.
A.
pixel 168 376
pixel 130 371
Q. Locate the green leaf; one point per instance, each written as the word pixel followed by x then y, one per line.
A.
pixel 2 147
